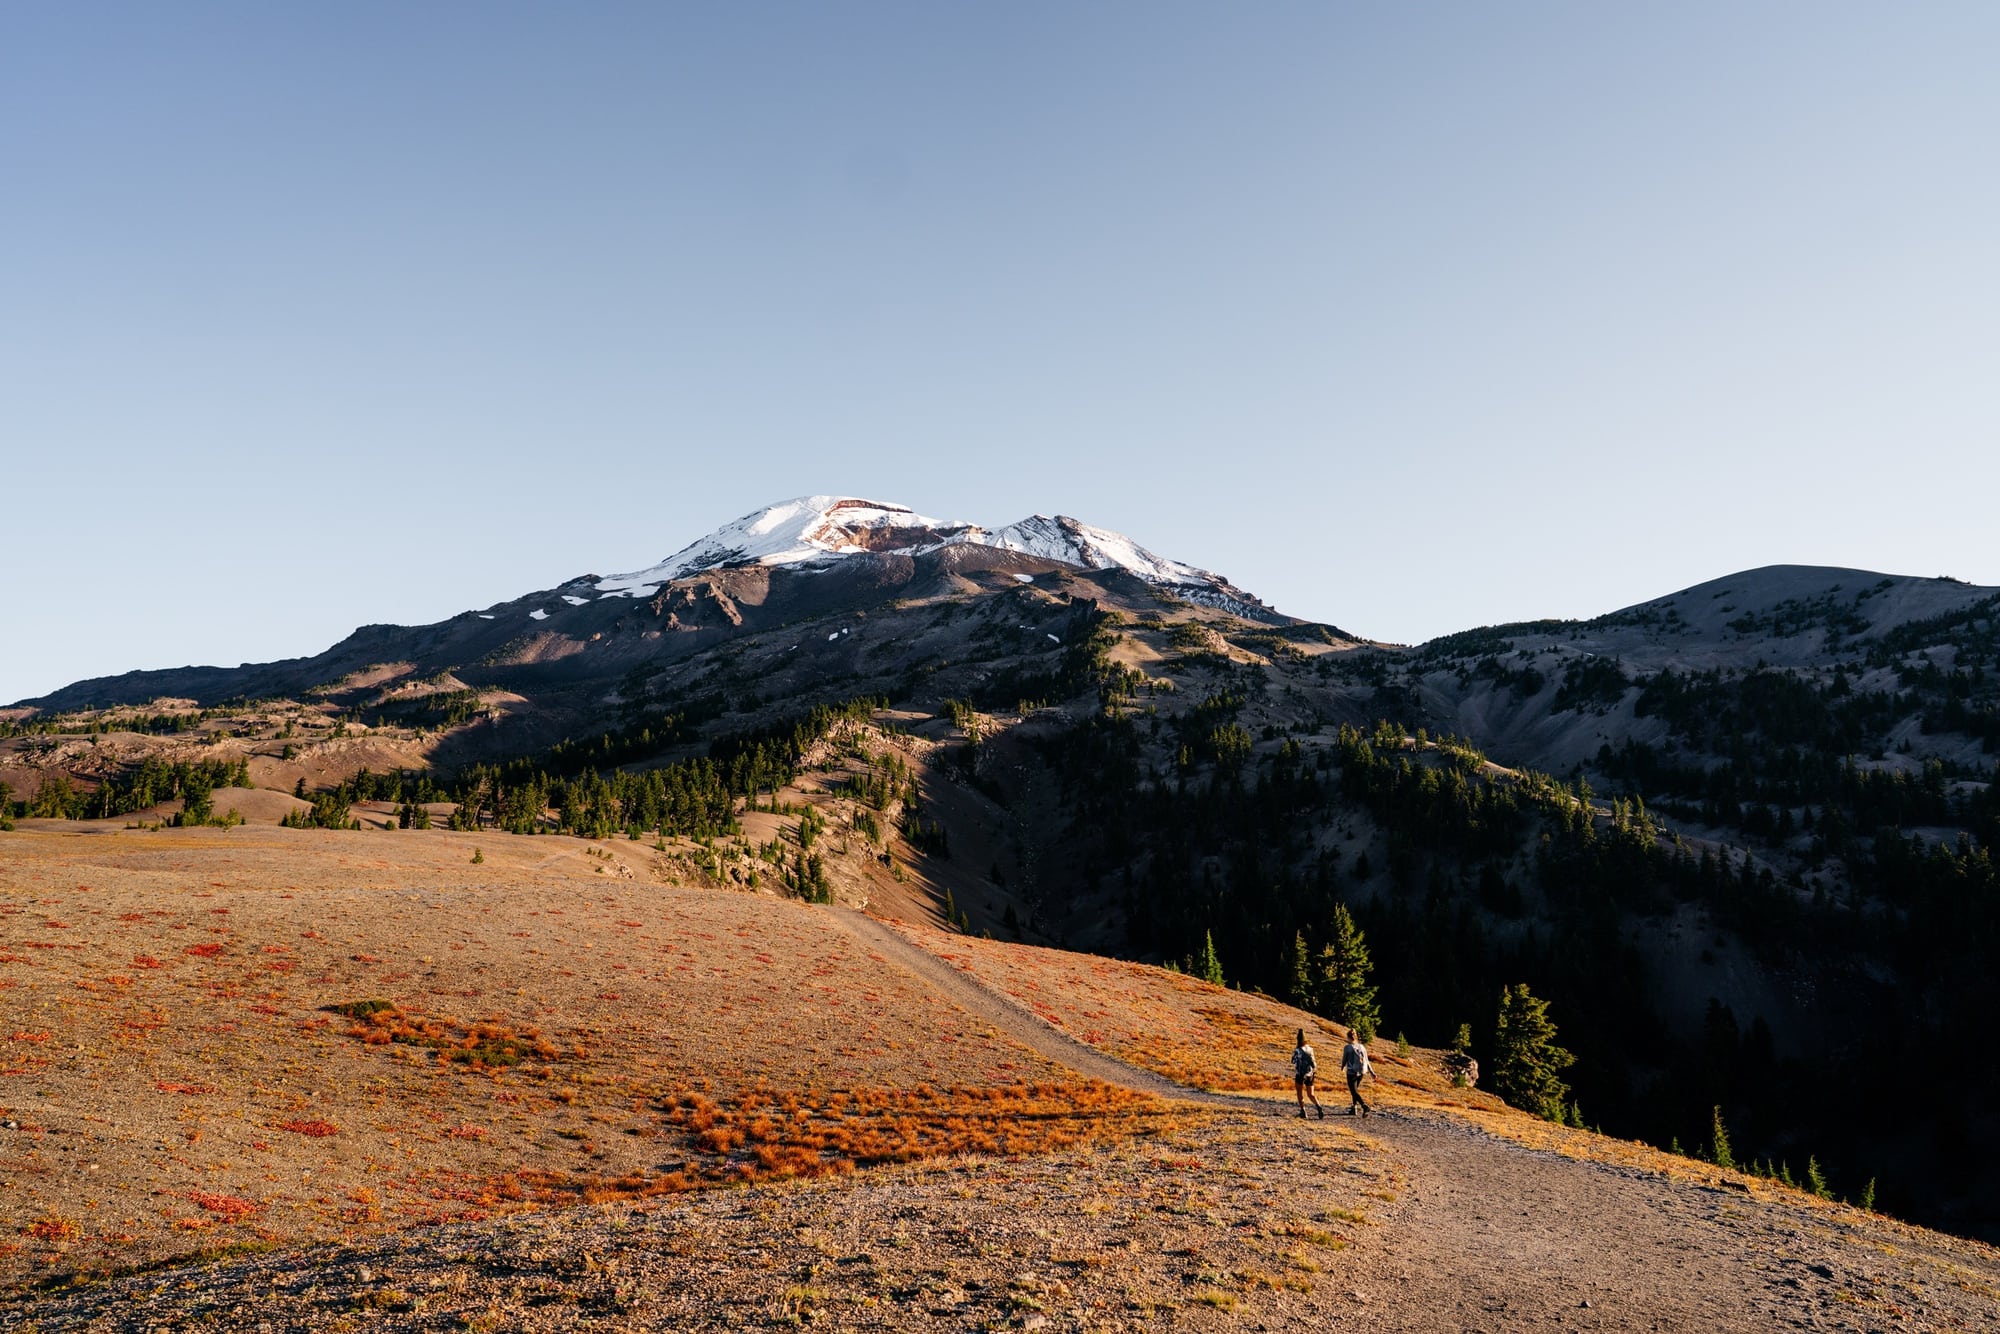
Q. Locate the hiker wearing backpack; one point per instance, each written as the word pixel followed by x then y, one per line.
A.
pixel 1354 1061
pixel 1304 1066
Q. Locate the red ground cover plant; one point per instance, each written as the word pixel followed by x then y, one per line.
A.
pixel 228 1208
pixel 311 1129
pixel 52 1227
pixel 762 1135
pixel 491 1044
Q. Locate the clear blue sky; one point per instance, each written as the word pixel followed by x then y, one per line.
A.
pixel 1407 318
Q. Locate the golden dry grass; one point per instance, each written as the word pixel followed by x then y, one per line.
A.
pixel 1195 1033
pixel 164 1030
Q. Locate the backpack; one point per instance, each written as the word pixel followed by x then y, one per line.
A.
pixel 1303 1062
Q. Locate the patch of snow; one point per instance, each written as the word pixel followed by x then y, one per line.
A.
pixel 1073 543
pixel 818 531
pixel 573 600
pixel 485 615
pixel 1057 640
pixel 538 615
pixel 810 528
pixel 835 635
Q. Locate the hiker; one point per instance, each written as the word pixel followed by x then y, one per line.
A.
pixel 1354 1060
pixel 1304 1066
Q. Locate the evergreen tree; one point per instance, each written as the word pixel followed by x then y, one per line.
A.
pixel 1298 974
pixel 1345 994
pixel 1719 1151
pixel 1526 1057
pixel 1816 1179
pixel 1208 968
pixel 199 808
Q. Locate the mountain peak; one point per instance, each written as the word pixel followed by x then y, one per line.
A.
pixel 812 531
pixel 1076 543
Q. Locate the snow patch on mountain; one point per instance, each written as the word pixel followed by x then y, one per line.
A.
pixel 818 530
pixel 1073 543
pixel 796 532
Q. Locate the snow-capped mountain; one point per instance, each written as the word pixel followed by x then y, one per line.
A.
pixel 813 559
pixel 815 530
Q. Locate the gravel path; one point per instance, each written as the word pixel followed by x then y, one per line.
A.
pixel 1487 1234
pixel 974 996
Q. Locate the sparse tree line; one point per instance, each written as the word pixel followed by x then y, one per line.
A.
pixel 192 782
pixel 154 724
pixel 691 798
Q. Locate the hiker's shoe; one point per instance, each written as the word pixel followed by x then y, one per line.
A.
pixel 1322 1113
pixel 1302 1113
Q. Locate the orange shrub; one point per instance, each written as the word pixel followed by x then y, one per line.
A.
pixel 52 1227
pixel 490 1044
pixel 228 1208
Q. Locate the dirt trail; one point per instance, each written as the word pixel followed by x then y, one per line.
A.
pixel 1029 1029
pixel 1486 1234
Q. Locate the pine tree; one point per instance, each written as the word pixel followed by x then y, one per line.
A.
pixel 1719 1151
pixel 1526 1058
pixel 1345 995
pixel 1208 968
pixel 1298 974
pixel 1816 1179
